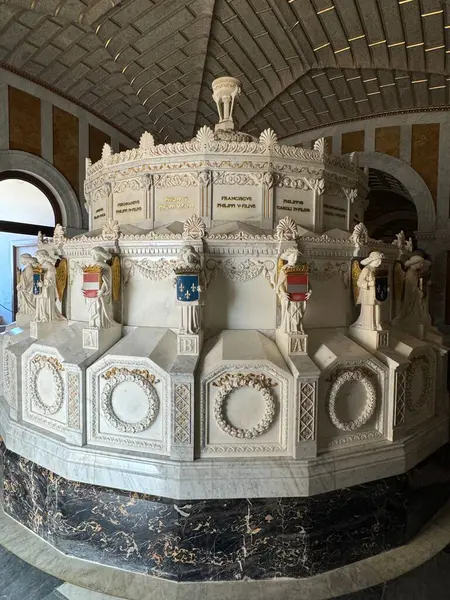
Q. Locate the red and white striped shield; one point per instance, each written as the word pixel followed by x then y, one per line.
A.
pixel 297 285
pixel 91 283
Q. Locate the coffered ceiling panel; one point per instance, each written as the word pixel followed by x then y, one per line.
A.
pixel 149 64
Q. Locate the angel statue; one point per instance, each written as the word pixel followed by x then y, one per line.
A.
pixel 190 282
pixel 25 297
pixel 293 291
pixel 46 309
pixel 369 297
pixel 414 312
pixel 97 285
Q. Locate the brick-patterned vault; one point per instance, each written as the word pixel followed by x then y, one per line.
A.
pixel 149 64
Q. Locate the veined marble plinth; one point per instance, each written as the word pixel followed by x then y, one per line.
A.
pixel 224 540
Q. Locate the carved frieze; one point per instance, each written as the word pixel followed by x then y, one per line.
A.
pixel 239 270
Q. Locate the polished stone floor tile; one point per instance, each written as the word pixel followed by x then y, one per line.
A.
pixel 20 581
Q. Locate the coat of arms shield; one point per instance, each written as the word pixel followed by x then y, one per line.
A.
pixel 297 283
pixel 37 278
pixel 188 285
pixel 92 281
pixel 381 285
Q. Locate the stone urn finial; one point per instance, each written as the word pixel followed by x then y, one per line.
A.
pixel 225 90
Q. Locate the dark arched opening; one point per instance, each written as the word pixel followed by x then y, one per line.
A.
pixel 390 208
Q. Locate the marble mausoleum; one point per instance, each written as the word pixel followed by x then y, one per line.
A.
pixel 225 378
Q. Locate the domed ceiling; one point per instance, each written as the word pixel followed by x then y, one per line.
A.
pixel 149 64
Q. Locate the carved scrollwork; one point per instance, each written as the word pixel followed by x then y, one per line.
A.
pixel 175 180
pixel 357 375
pixel 146 386
pixel 324 272
pixel 240 270
pixel 227 178
pixel 130 184
pixel 228 384
pixel 155 270
pixel 39 363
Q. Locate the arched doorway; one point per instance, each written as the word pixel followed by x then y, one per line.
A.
pixel 390 208
pixel 411 181
pixel 26 207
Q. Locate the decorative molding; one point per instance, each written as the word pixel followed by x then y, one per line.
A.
pixel 230 178
pixel 118 371
pixel 307 412
pixel 10 377
pixel 182 413
pixel 418 362
pixel 129 184
pixel 400 398
pixel 73 399
pixel 287 230
pixel 230 382
pixel 215 376
pixel 111 230
pixel 37 364
pixel 268 139
pixel 194 228
pixel 135 441
pixel 120 376
pixel 240 270
pixel 371 399
pixel 175 180
pixel 147 141
pixel 155 270
pixel 326 271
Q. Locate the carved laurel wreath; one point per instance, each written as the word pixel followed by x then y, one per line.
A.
pixel 232 382
pixel 414 404
pixel 54 366
pixel 371 399
pixel 148 389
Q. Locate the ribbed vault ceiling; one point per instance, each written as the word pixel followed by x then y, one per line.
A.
pixel 149 64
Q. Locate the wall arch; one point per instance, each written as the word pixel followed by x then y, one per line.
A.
pixel 413 182
pixel 69 206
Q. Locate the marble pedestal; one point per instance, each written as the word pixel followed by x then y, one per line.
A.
pixel 224 540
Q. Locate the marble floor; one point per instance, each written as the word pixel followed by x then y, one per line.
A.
pixel 20 581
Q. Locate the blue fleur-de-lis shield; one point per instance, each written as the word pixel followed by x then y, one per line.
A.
pixel 188 288
pixel 37 278
pixel 381 286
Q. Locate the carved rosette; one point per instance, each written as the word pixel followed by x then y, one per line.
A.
pixel 227 385
pixel 120 376
pixel 50 363
pixel 357 375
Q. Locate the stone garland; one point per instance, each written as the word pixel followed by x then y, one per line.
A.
pixel 369 408
pixel 418 362
pixel 233 383
pixel 149 391
pixel 55 368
